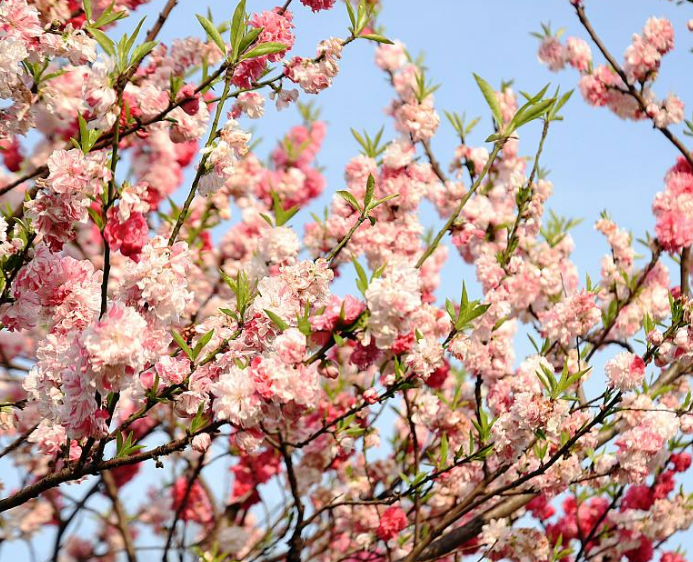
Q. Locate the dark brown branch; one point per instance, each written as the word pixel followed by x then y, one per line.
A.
pixel 295 541
pixel 121 516
pixel 71 473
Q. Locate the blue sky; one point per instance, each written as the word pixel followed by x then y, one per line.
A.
pixel 596 160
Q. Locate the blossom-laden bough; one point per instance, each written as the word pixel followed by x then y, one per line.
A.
pixel 140 324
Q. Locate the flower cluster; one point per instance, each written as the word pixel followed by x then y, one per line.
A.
pixel 311 392
pixel 605 86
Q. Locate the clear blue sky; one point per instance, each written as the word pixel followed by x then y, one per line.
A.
pixel 596 160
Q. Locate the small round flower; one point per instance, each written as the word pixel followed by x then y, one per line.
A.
pixel 201 442
pixel 128 236
pixel 626 371
pixel 370 395
pixel 173 370
pixel 578 53
pixel 291 346
pixel 552 53
pixel 392 521
pixel 317 5
pixel 681 461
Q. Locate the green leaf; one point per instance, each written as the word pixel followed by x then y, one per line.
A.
pixel 352 16
pixel 490 96
pixel 126 447
pixel 362 281
pixel 276 320
pixel 384 200
pixel 249 38
pixel 443 451
pixel 131 39
pixel 83 131
pixel 263 49
pixel 378 272
pixel 237 28
pixel 524 116
pixel 304 326
pixel 96 217
pixel 370 189
pixel 142 51
pixel 87 137
pixel 281 216
pixel 109 16
pixel 560 103
pixel 377 38
pixel 228 312
pixel 361 17
pixel 349 198
pixel 241 289
pixel 182 344
pixel 212 32
pixel 87 9
pixel 198 421
pixel 203 341
pixel 103 40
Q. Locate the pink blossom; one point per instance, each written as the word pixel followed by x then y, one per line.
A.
pixel 290 345
pixel 251 104
pixel 570 318
pixel 391 57
pixel 236 398
pixel 578 53
pixel 314 77
pixel 425 357
pixel 370 395
pixel 660 33
pixel 115 347
pixel 317 5
pixel 552 53
pixel 201 442
pixel 191 501
pixel 419 119
pixel 54 288
pixel 626 371
pixel 276 28
pixel 392 521
pixel 172 370
pixel 671 556
pixel 129 236
pixel 190 106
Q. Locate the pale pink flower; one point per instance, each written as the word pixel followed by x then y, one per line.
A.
pixel 236 399
pixel 391 57
pixel 571 317
pixel 552 53
pixel 660 33
pixel 290 345
pixel 578 53
pixel 425 357
pixel 251 104
pixel 418 119
pixel 626 371
pixel 115 347
pixel 201 442
pixel 314 77
pixel 172 370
